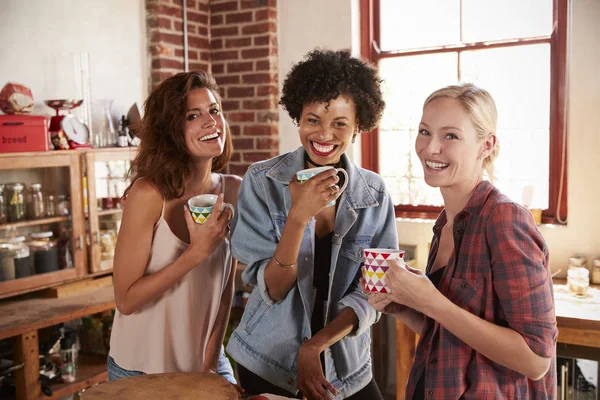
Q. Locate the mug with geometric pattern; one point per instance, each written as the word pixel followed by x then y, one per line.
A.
pixel 202 205
pixel 374 271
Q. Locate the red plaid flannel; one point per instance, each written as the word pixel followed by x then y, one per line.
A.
pixel 498 271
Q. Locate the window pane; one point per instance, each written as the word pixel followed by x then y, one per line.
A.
pixel 485 20
pixel 407 24
pixel 407 81
pixel 522 94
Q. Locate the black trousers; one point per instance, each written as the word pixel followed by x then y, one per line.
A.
pixel 254 384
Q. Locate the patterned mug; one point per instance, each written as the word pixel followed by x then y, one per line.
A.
pixel 375 268
pixel 306 174
pixel 202 205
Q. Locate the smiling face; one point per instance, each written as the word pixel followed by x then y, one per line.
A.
pixel 448 145
pixel 326 129
pixel 204 128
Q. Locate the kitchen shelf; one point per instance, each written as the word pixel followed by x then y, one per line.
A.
pixel 33 222
pixel 90 371
pixel 110 212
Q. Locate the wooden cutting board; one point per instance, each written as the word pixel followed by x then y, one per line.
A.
pixel 200 386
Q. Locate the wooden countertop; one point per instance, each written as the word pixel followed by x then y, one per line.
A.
pixel 578 317
pixel 20 316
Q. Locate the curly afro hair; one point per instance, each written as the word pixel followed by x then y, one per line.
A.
pixel 324 75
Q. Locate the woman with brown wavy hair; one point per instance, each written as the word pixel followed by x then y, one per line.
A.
pixel 174 278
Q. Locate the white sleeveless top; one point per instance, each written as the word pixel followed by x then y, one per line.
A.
pixel 170 334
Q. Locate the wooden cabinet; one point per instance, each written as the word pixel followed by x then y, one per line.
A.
pixel 78 178
pixel 106 171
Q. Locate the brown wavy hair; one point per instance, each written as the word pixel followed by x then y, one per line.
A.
pixel 163 158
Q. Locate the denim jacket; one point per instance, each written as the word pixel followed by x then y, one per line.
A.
pixel 270 333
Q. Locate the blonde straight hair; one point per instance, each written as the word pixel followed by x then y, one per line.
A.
pixel 481 107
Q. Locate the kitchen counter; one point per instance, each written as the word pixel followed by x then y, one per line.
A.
pixel 578 317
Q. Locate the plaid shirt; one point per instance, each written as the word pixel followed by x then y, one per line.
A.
pixel 498 271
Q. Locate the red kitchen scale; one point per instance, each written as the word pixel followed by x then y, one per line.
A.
pixel 67 131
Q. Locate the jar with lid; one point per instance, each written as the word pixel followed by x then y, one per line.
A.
pixel 578 280
pixel 15 207
pixel 50 206
pixel 596 271
pixel 3 217
pixel 577 262
pixel 63 205
pixel 44 249
pixel 36 205
pixel 14 259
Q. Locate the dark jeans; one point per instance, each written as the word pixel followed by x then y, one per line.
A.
pixel 254 385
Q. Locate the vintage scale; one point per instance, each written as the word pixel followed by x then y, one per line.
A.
pixel 67 131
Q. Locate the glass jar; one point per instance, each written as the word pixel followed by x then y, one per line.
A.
pixel 15 207
pixel 3 217
pixel 44 249
pixel 596 271
pixel 36 205
pixel 577 262
pixel 108 242
pixel 14 259
pixel 578 280
pixel 50 206
pixel 63 205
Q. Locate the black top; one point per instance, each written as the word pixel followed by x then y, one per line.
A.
pixel 321 280
pixel 435 278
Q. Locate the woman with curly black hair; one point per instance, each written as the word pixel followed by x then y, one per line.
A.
pixel 306 325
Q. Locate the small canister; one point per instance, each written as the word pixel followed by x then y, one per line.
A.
pixel 15 202
pixel 44 249
pixel 35 204
pixel 22 257
pixel 596 271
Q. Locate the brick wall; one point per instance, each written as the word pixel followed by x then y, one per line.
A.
pixel 236 40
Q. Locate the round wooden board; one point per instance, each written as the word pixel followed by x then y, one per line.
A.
pixel 200 386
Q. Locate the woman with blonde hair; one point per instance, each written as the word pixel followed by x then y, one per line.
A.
pixel 484 309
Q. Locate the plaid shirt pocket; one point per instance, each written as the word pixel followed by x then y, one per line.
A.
pixel 468 294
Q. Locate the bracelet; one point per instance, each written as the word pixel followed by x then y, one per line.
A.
pixel 280 264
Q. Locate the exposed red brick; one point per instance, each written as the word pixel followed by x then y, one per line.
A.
pixel 237 169
pixel 192 29
pixel 205 56
pixel 218 68
pixel 203 30
pixel 258 3
pixel 267 90
pixel 227 31
pixel 216 19
pixel 238 42
pixel 241 116
pixel 255 156
pixel 257 104
pixel 243 144
pixel 264 14
pixel 171 11
pixel 198 66
pixel 197 17
pixel 203 6
pixel 261 40
pixel 217 7
pixel 198 42
pixel 160 22
pixel 216 44
pixel 267 143
pixel 167 37
pixel 260 130
pixel 240 91
pixel 235 157
pixel 263 66
pixel 259 78
pixel 262 27
pixel 267 116
pixel 225 55
pixel 192 54
pixel 159 76
pixel 236 18
pixel 255 53
pixel 178 26
pixel 161 50
pixel 239 66
pixel 236 130
pixel 231 105
pixel 228 79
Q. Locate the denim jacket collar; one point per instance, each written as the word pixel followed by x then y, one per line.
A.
pixel 357 193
